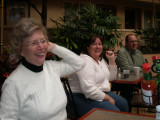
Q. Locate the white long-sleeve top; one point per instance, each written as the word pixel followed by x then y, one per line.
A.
pixel 93 78
pixel 28 95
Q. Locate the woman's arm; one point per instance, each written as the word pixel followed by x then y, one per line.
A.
pixel 70 61
pixel 111 58
pixel 9 105
pixel 110 99
pixel 112 65
pixel 87 80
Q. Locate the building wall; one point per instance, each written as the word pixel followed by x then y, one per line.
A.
pixel 55 9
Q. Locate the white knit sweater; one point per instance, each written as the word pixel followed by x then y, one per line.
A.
pixel 93 79
pixel 39 96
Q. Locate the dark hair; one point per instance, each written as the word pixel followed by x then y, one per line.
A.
pixel 91 40
pixel 127 37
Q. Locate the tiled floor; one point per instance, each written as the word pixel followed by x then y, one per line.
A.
pixel 144 111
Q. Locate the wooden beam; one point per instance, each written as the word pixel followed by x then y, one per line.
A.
pixel 2 23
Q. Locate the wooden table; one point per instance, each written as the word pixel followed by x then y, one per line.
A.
pixel 101 114
pixel 126 87
pixel 133 79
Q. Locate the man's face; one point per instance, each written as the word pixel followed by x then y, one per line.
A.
pixel 132 43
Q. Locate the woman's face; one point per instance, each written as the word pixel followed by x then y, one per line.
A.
pixel 95 49
pixel 34 48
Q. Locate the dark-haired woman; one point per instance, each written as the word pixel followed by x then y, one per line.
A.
pixel 90 85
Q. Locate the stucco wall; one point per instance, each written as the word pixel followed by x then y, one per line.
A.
pixel 56 9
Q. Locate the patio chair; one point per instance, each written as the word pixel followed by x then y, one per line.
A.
pixel 2 79
pixel 137 101
pixel 71 108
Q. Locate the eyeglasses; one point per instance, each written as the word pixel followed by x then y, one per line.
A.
pixel 100 44
pixel 136 41
pixel 36 43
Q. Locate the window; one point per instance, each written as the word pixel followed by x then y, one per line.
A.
pixel 148 19
pixel 68 7
pixel 157 21
pixel 112 9
pixel 132 18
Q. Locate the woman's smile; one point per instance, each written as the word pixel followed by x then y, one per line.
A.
pixel 36 49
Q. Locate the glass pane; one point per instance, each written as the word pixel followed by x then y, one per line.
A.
pixel 68 7
pixel 132 18
pixel 158 19
pixel 129 19
pixel 147 19
pixel 112 9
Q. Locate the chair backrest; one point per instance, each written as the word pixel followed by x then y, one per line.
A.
pixel 71 108
pixel 2 79
pixel 137 100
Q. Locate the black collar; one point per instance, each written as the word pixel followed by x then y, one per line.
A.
pixel 32 67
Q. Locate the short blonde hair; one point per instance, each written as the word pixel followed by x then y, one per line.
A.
pixel 23 29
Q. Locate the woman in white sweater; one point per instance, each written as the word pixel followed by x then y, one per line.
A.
pixel 90 85
pixel 34 90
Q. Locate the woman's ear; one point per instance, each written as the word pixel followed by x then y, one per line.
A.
pixel 20 52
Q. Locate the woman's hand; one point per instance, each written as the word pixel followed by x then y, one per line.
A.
pixel 50 46
pixel 111 58
pixel 110 99
pixel 110 54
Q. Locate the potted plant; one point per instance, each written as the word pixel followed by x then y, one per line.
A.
pixel 149 38
pixel 8 62
pixel 74 29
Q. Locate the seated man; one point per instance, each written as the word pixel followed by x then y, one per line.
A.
pixel 129 56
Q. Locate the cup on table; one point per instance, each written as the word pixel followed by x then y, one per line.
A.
pixel 126 74
pixel 137 70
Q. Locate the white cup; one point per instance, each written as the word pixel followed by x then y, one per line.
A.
pixel 126 74
pixel 136 70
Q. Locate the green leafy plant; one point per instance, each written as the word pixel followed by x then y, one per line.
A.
pixel 8 62
pixel 75 28
pixel 150 38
